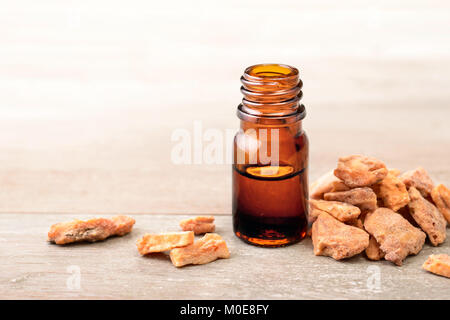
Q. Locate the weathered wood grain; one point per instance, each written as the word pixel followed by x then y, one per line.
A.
pixel 32 268
pixel 132 177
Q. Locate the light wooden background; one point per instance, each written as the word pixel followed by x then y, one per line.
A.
pixel 91 92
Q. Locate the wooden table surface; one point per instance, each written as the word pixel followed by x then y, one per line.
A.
pixel 114 269
pixel 90 98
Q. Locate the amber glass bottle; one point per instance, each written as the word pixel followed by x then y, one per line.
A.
pixel 270 167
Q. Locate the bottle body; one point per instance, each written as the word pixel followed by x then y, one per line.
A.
pixel 270 169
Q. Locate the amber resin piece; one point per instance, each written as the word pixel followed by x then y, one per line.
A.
pixel 438 264
pixel 326 183
pixel 407 215
pixel 123 224
pixel 91 230
pixel 207 249
pixel 392 191
pixel 199 225
pixel 356 223
pixel 342 211
pixel 441 198
pixel 313 214
pixel 150 243
pixel 337 240
pixel 312 217
pixel 373 251
pixel 419 179
pixel 427 217
pixel 360 171
pixel 363 198
pixel 395 235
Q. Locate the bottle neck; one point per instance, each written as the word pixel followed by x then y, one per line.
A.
pixel 294 126
pixel 272 94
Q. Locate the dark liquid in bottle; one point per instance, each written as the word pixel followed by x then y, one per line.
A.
pixel 270 205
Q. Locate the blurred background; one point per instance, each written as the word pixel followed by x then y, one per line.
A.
pixel 91 91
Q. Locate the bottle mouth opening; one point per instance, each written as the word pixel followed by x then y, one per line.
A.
pixel 270 71
pixel 271 79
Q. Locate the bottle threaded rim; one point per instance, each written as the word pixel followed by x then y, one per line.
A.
pixel 271 90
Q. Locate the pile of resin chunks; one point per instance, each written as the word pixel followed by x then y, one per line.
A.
pixel 364 206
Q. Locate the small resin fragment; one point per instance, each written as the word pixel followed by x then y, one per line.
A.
pixel 123 224
pixel 312 217
pixel 438 264
pixel 363 198
pixel 373 251
pixel 326 183
pixel 313 214
pixel 441 198
pixel 340 210
pixel 360 171
pixel 407 215
pixel 335 239
pixel 392 191
pixel 207 249
pixel 150 243
pixel 356 223
pixel 395 235
pixel 419 179
pixel 427 217
pixel 199 225
pixel 91 230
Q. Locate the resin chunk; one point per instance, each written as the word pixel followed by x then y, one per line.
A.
pixel 326 183
pixel 356 223
pixel 395 235
pixel 340 210
pixel 360 171
pixel 207 249
pixel 91 230
pixel 199 225
pixel 335 239
pixel 392 191
pixel 419 179
pixel 407 215
pixel 363 198
pixel 438 264
pixel 427 217
pixel 373 251
pixel 441 198
pixel 313 214
pixel 312 217
pixel 150 243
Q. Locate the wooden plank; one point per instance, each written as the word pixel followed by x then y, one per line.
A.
pixel 134 174
pixel 113 269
